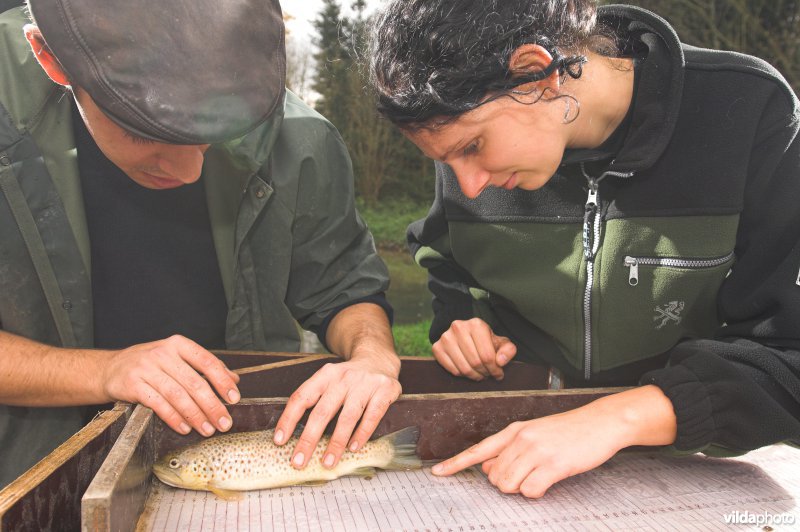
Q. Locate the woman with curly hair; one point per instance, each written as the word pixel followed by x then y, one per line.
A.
pixel 610 202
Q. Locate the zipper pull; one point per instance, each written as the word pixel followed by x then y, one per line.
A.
pixel 633 264
pixel 588 221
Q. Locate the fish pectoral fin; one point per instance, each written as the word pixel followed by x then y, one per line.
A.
pixel 228 495
pixel 366 472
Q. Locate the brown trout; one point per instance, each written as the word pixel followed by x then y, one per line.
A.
pixel 230 463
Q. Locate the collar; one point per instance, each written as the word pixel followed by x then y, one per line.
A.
pixel 659 60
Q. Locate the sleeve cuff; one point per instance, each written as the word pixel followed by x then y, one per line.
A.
pixel 692 404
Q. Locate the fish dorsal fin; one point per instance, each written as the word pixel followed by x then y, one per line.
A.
pixel 228 495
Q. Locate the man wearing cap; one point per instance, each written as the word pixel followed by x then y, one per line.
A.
pixel 161 194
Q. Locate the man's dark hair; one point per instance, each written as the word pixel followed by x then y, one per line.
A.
pixel 433 60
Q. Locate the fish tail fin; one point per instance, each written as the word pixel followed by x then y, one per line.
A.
pixel 404 443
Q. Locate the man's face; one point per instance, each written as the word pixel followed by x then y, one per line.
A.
pixel 151 164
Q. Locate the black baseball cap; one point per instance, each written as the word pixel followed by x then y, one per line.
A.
pixel 176 71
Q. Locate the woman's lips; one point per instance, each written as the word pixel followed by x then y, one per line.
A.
pixel 511 183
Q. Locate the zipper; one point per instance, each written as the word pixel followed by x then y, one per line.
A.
pixel 592 227
pixel 633 264
pixel 591 242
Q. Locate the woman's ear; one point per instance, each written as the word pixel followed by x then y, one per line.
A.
pixel 530 58
pixel 45 57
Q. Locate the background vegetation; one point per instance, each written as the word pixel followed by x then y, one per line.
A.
pixel 394 182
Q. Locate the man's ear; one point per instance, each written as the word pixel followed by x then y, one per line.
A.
pixel 530 58
pixel 45 57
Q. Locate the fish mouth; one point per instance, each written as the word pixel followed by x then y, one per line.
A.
pixel 168 476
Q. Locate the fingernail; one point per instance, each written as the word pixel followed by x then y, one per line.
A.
pixel 437 469
pixel 184 428
pixel 208 430
pixel 233 396
pixel 502 359
pixel 298 459
pixel 225 423
pixel 354 447
pixel 279 436
pixel 329 460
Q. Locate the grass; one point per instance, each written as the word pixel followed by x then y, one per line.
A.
pixel 388 221
pixel 412 340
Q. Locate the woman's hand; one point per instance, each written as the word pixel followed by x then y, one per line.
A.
pixel 528 457
pixel 470 349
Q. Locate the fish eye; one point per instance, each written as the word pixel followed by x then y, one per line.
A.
pixel 174 463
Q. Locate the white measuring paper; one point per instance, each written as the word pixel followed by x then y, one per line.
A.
pixel 633 491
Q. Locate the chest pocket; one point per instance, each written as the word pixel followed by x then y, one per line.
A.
pixel 658 283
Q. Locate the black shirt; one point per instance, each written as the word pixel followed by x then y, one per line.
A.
pixel 154 265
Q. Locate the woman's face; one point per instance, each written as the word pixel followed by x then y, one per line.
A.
pixel 503 143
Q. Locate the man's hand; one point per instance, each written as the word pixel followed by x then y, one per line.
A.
pixel 166 376
pixel 528 457
pixel 361 388
pixel 470 349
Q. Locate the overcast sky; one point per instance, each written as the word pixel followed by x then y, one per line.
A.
pixel 305 11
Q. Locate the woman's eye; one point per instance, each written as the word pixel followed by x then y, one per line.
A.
pixel 471 148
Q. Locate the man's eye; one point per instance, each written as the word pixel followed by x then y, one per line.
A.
pixel 137 139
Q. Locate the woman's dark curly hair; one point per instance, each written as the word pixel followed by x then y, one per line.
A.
pixel 433 60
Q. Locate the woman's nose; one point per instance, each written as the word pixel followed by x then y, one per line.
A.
pixel 472 180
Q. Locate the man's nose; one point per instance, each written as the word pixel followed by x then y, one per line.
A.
pixel 184 163
pixel 471 179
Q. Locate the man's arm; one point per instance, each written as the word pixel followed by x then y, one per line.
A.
pixel 162 375
pixel 362 387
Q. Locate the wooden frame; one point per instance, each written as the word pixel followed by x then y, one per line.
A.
pixel 47 497
pixel 452 414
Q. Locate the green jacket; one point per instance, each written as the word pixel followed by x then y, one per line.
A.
pixel 291 246
pixel 671 258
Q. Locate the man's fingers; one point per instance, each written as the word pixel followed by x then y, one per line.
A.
pixel 352 411
pixel 221 378
pixel 326 408
pixel 178 398
pixel 203 396
pixel 376 409
pixel 301 400
pixel 153 400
